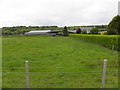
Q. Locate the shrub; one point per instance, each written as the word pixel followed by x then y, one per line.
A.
pixel 94 31
pixel 104 33
pixel 104 40
pixel 114 26
pixel 65 31
pixel 84 32
pixel 78 31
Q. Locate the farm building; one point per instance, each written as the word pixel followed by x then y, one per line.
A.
pixel 72 31
pixel 87 29
pixel 38 32
pixel 43 32
pixel 47 32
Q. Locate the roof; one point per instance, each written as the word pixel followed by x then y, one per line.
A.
pixel 72 31
pixel 37 32
pixel 42 31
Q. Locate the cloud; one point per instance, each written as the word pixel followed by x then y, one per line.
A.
pixel 56 12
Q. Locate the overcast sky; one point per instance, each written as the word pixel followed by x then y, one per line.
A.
pixel 56 12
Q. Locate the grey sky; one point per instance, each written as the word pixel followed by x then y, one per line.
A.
pixel 57 12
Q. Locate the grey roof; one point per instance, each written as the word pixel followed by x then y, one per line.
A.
pixel 41 31
pixel 37 32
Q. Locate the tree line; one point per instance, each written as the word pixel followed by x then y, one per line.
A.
pixel 113 28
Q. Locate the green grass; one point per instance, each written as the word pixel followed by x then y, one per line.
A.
pixel 0 62
pixel 57 62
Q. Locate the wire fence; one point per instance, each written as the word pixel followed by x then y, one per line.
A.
pixel 38 75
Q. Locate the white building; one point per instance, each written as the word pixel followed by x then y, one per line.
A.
pixel 72 31
pixel 38 32
pixel 119 8
pixel 88 29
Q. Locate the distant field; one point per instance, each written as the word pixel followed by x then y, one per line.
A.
pixel 57 62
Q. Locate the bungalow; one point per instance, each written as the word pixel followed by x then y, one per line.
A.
pixel 47 32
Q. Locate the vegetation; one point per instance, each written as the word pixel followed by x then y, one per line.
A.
pixel 84 32
pixel 65 31
pixel 94 31
pixel 106 41
pixel 104 33
pixel 0 62
pixel 78 31
pixel 19 30
pixel 114 26
pixel 100 27
pixel 56 62
pixel 7 32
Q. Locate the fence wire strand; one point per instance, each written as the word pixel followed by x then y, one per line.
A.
pixel 41 76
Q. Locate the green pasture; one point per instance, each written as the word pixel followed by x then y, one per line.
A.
pixel 57 62
pixel 0 62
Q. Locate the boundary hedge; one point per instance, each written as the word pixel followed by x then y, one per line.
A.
pixel 104 40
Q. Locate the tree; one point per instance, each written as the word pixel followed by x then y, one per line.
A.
pixel 65 31
pixel 17 32
pixel 114 26
pixel 6 32
pixel 22 31
pixel 84 32
pixel 94 31
pixel 78 31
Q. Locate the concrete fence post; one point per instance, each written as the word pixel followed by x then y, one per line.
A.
pixel 113 48
pixel 104 74
pixel 27 74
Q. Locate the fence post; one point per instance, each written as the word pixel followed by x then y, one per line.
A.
pixel 27 74
pixel 104 74
pixel 101 45
pixel 113 48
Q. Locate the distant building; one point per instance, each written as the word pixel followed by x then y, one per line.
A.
pixel 88 29
pixel 38 32
pixel 119 8
pixel 42 33
pixel 47 32
pixel 72 31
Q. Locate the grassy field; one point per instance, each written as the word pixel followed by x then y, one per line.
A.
pixel 0 62
pixel 57 62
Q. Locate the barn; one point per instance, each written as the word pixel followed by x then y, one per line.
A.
pixel 38 32
pixel 47 32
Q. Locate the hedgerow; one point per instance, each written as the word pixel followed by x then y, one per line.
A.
pixel 107 41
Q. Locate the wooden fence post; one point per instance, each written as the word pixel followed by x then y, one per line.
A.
pixel 104 74
pixel 27 74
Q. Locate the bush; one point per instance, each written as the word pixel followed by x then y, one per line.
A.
pixel 94 31
pixel 84 32
pixel 104 40
pixel 65 31
pixel 104 33
pixel 78 31
pixel 114 26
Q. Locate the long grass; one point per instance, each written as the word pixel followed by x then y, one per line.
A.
pixel 57 62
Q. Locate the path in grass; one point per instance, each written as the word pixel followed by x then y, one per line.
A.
pixel 56 62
